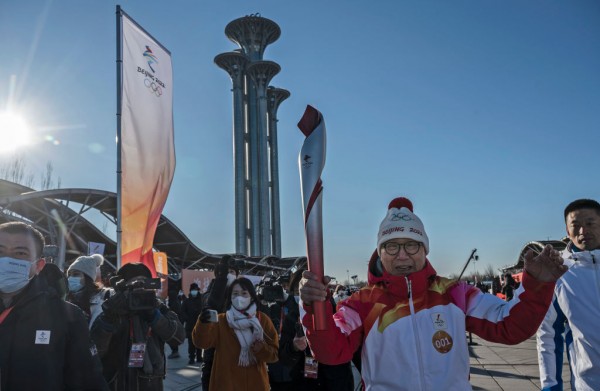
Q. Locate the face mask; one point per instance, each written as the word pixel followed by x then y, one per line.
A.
pixel 194 293
pixel 75 284
pixel 297 298
pixel 240 303
pixel 230 279
pixel 14 274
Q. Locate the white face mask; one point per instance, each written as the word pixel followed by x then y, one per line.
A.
pixel 194 293
pixel 240 303
pixel 230 278
pixel 75 284
pixel 14 274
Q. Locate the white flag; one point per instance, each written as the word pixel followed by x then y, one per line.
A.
pixel 147 146
pixel 96 248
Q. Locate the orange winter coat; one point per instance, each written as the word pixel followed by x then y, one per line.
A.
pixel 226 374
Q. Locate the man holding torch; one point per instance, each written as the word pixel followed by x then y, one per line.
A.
pixel 410 322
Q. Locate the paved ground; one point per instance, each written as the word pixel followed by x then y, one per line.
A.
pixel 494 367
pixel 501 367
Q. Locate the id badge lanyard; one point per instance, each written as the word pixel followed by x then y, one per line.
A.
pixel 138 349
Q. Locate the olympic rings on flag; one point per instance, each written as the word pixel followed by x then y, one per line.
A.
pixel 153 86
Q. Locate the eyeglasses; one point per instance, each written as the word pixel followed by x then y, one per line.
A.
pixel 393 248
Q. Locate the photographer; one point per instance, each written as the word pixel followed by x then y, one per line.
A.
pixel 244 340
pixel 132 331
pixel 215 299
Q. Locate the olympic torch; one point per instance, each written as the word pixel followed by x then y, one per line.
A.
pixel 311 162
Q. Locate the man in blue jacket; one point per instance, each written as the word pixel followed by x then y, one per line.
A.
pixel 575 310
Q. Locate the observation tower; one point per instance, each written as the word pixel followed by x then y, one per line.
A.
pixel 255 159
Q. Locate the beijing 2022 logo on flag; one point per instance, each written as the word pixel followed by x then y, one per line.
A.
pixel 154 85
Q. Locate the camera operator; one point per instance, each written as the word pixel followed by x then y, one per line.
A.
pixel 132 331
pixel 215 299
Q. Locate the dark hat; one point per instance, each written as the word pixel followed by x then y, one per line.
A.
pixel 193 285
pixel 131 270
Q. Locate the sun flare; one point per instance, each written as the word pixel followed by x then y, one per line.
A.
pixel 14 132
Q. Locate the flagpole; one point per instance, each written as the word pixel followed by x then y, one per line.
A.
pixel 119 97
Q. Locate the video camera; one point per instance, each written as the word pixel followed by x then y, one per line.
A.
pixel 270 290
pixel 139 293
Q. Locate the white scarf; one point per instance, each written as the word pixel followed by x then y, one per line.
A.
pixel 247 329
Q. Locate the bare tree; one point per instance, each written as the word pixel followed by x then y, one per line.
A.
pixel 46 178
pixel 489 272
pixel 14 171
pixel 29 181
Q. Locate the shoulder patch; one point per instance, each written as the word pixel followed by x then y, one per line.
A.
pixel 442 284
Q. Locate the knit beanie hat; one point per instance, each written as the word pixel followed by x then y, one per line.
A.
pixel 88 265
pixel 193 286
pixel 401 222
pixel 134 269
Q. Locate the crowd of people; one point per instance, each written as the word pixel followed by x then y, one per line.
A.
pixel 405 330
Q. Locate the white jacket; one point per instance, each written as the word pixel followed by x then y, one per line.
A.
pixel 574 319
pixel 411 330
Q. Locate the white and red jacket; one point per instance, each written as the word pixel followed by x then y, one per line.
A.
pixel 412 329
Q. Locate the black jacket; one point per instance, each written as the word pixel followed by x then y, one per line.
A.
pixel 45 344
pixel 190 309
pixel 113 337
pixel 329 377
pixel 278 372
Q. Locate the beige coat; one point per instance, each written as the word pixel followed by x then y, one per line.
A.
pixel 226 375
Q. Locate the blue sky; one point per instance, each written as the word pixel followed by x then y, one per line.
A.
pixel 485 114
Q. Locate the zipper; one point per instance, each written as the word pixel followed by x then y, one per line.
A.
pixel 416 334
pixel 596 274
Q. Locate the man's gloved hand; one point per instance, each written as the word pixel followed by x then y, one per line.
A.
pixel 222 268
pixel 204 316
pixel 116 305
pixel 149 314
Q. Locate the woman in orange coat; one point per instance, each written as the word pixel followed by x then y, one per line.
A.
pixel 244 339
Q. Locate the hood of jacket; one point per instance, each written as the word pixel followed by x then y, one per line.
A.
pixel 398 285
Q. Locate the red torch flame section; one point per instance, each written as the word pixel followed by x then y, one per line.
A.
pixel 310 120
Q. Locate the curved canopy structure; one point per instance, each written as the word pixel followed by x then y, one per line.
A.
pixel 537 247
pixel 60 214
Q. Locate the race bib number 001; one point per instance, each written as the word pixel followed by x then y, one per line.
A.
pixel 442 341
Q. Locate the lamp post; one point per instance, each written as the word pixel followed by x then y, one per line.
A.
pixel 348 276
pixel 472 257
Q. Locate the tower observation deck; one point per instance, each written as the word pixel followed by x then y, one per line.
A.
pixel 255 159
